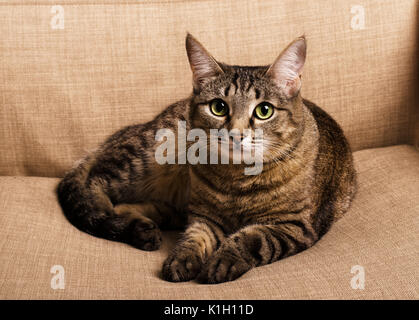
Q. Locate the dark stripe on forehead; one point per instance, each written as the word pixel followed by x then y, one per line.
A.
pixel 236 85
pixel 250 85
pixel 227 90
pixel 257 93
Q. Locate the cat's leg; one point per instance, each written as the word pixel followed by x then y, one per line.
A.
pixel 256 245
pixel 90 209
pixel 145 232
pixel 163 215
pixel 150 217
pixel 200 240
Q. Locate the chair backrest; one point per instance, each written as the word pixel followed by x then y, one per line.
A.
pixel 72 74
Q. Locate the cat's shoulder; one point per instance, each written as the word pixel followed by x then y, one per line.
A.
pixel 323 119
pixel 331 135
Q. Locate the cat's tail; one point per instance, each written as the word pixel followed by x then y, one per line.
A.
pixel 84 202
pixel 88 208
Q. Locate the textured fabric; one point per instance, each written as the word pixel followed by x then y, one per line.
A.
pixel 416 126
pixel 62 91
pixel 379 233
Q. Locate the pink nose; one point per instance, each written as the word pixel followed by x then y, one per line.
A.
pixel 237 138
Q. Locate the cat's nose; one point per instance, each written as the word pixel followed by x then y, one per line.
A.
pixel 237 138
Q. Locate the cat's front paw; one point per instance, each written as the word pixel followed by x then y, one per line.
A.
pixel 181 266
pixel 224 265
pixel 146 235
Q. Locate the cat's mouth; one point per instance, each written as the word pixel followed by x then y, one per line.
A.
pixel 247 152
pixel 230 145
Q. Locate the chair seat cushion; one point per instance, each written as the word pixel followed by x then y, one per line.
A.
pixel 379 233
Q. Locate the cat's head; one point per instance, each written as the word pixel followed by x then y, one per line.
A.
pixel 236 97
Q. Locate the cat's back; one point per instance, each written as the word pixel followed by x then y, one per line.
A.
pixel 335 172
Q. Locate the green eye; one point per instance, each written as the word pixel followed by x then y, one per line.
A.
pixel 264 110
pixel 218 107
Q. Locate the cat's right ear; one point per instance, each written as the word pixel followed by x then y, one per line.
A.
pixel 286 70
pixel 203 65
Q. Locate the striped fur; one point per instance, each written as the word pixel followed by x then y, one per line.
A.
pixel 233 222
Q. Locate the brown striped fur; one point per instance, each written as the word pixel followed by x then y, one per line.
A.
pixel 234 222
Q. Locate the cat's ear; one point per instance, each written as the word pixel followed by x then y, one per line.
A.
pixel 203 65
pixel 287 68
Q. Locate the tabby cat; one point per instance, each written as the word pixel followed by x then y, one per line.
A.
pixel 233 222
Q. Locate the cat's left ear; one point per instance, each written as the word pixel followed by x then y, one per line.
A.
pixel 203 65
pixel 287 68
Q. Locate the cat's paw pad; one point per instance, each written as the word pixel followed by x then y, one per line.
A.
pixel 146 235
pixel 223 266
pixel 182 266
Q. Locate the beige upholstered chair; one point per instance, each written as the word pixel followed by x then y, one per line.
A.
pixel 73 74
